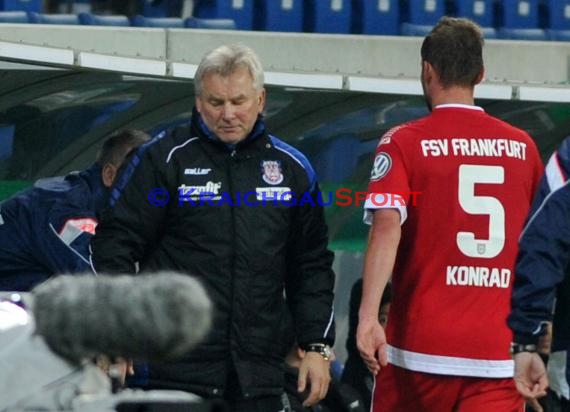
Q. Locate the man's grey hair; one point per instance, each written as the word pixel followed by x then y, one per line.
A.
pixel 225 60
pixel 147 317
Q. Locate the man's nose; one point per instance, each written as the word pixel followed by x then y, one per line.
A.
pixel 228 111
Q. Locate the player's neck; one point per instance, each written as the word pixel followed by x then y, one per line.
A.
pixel 453 95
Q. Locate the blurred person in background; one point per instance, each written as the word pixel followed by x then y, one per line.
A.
pixel 355 372
pixel 46 230
pixel 541 284
pixel 340 396
pixel 450 254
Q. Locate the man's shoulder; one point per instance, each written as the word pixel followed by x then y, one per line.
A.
pixel 510 131
pixel 180 133
pixel 288 149
pixel 43 191
pixel 402 133
pixel 295 157
pixel 56 184
pixel 165 145
pixel 49 204
pixel 59 203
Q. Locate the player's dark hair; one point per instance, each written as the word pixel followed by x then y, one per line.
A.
pixel 454 47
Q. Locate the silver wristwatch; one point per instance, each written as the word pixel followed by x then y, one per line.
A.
pixel 321 348
pixel 520 347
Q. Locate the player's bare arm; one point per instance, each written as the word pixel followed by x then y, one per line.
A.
pixel 379 259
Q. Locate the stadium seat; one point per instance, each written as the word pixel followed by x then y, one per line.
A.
pixel 518 14
pixel 162 8
pixel 557 14
pixel 480 11
pixel 338 151
pixel 216 24
pixel 63 18
pixel 13 17
pixel 519 20
pixel 279 15
pixel 376 17
pixel 328 16
pixel 165 22
pixel 21 5
pixel 425 12
pixel 104 20
pixel 240 11
pixel 71 6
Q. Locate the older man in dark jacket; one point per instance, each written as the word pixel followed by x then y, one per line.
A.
pixel 238 208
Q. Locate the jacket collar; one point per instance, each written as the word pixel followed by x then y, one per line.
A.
pixel 199 128
pixel 92 178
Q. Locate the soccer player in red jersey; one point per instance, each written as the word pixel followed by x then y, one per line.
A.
pixel 451 255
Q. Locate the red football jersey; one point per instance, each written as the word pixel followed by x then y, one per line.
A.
pixel 468 180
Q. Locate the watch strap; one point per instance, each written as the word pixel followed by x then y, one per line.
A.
pixel 321 348
pixel 523 347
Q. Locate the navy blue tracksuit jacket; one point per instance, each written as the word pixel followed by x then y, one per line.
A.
pixel 542 272
pixel 45 230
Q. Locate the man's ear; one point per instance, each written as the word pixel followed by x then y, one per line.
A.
pixel 261 101
pixel 198 104
pixel 427 72
pixel 108 174
pixel 480 76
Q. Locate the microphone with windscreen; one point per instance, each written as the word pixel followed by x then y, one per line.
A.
pixel 153 317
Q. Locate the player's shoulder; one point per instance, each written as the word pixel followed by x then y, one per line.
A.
pixel 404 131
pixel 509 130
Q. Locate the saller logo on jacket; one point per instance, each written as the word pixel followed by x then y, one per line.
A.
pixel 197 171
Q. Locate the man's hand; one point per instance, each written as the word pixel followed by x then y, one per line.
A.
pixel 315 371
pixel 371 342
pixel 530 378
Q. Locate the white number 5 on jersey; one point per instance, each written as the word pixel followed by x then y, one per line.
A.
pixel 469 176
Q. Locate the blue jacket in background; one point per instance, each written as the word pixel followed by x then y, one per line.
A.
pixel 542 272
pixel 45 230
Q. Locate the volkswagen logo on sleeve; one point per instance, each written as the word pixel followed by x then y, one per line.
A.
pixel 382 165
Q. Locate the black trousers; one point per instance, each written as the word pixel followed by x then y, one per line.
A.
pixel 265 404
pixel 237 403
pixel 553 403
pixel 564 405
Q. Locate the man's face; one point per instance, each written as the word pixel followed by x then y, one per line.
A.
pixel 230 105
